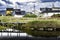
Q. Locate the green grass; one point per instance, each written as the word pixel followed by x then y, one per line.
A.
pixel 33 28
pixel 2 28
pixel 25 19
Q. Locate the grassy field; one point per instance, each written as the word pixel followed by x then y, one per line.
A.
pixel 42 22
pixel 25 19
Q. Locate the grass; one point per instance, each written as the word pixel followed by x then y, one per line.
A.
pixel 2 28
pixel 25 19
pixel 33 28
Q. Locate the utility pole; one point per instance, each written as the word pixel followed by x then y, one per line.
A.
pixel 15 6
pixel 53 5
pixel 34 8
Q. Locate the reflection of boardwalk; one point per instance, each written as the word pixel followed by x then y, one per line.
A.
pixel 12 34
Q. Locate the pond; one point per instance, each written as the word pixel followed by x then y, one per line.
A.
pixel 18 35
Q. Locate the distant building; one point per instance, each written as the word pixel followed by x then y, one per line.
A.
pixel 9 11
pixel 45 9
pixel 29 12
pixel 14 12
pixel 19 13
pixel 2 12
pixel 56 8
pixel 48 12
pixel 23 12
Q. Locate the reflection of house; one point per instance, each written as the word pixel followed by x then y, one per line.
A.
pixel 12 33
pixel 50 11
pixel 9 11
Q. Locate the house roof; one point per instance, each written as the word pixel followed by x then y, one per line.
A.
pixel 51 11
pixel 44 9
pixel 17 10
pixel 9 9
pixel 56 7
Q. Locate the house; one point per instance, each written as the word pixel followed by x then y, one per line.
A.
pixel 45 9
pixel 9 11
pixel 2 12
pixel 48 12
pixel 56 8
pixel 18 13
pixel 14 12
pixel 23 13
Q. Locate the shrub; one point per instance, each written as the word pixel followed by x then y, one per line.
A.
pixel 2 28
pixel 12 25
pixel 4 20
pixel 32 28
pixel 8 14
pixel 0 14
pixel 56 15
pixel 30 15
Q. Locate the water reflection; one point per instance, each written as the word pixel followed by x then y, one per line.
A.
pixel 11 33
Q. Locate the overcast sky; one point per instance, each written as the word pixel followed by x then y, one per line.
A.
pixel 27 5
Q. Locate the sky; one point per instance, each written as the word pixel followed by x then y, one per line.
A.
pixel 27 5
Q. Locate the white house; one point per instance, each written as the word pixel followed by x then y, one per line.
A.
pixel 48 12
pixel 19 13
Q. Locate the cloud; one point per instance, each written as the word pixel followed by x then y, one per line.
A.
pixel 47 4
pixel 27 0
pixel 7 1
pixel 19 3
pixel 28 4
pixel 57 4
pixel 2 2
pixel 49 0
pixel 22 0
